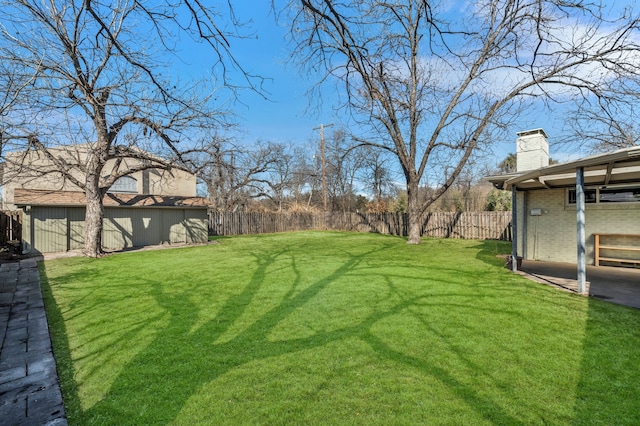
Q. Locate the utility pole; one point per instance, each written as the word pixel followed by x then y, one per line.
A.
pixel 324 174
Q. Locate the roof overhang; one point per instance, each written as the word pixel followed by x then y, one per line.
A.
pixel 35 197
pixel 615 168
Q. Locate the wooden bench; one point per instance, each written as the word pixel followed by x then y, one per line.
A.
pixel 612 246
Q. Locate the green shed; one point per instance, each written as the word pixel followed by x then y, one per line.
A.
pixel 53 221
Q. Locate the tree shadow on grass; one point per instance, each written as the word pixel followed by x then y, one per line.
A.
pixel 609 390
pixel 160 377
pixel 61 348
pixel 491 251
pixel 157 383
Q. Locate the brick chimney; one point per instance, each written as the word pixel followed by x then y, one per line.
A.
pixel 532 150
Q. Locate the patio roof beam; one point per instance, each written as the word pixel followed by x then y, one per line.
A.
pixel 607 177
pixel 542 182
pixel 580 221
pixel 514 229
pixel 627 156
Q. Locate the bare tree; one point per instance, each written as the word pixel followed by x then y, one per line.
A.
pixel 343 166
pixel 379 177
pixel 100 75
pixel 234 175
pixel 281 175
pixel 12 82
pixel 431 85
pixel 306 179
pixel 604 125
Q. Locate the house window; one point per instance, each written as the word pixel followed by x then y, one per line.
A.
pixel 619 195
pixel 590 196
pixel 629 194
pixel 125 184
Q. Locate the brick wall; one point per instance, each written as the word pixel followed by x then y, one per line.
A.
pixel 553 235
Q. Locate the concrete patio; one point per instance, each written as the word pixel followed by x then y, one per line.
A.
pixel 613 284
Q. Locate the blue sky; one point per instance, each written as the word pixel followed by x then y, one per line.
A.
pixel 285 116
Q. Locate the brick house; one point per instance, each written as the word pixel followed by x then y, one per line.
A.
pixel 564 211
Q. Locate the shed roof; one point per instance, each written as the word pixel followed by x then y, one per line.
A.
pixel 39 197
pixel 618 167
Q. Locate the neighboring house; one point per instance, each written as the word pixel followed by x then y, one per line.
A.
pixel 552 224
pixel 148 207
pixel 33 170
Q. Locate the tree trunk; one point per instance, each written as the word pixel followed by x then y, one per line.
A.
pixel 93 221
pixel 413 212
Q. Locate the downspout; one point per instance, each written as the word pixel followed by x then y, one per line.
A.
pixel 580 220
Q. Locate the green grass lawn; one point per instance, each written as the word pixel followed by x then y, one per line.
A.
pixel 334 328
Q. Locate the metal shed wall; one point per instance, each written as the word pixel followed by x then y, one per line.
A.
pixel 196 227
pixel 57 229
pixel 76 227
pixel 48 228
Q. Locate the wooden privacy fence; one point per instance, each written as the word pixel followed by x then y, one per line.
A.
pixel 470 225
pixel 10 226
